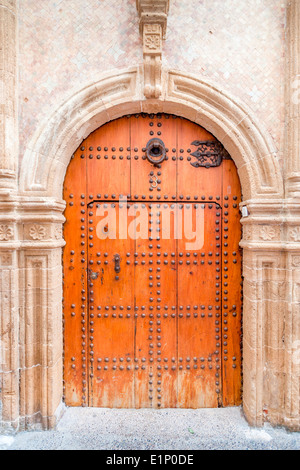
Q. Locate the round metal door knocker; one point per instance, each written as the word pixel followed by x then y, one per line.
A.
pixel 155 151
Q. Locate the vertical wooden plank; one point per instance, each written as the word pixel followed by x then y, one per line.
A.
pixel 110 342
pixel 155 295
pixel 195 183
pixel 231 286
pixel 199 276
pixel 108 161
pixel 75 281
pixel 155 269
pixel 111 319
pixel 148 181
pixel 199 312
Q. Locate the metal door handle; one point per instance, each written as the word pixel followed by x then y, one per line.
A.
pixel 117 260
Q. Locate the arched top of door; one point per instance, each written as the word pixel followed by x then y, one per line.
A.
pixel 119 93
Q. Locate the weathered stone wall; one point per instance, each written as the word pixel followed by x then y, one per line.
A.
pixel 238 45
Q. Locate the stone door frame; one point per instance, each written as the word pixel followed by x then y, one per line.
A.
pixel 31 347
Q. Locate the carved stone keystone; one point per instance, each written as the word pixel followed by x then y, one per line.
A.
pixel 153 25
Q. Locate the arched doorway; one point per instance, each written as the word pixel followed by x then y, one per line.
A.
pixel 44 165
pixel 152 314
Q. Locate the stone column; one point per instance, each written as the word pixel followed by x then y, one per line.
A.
pixel 292 321
pixel 293 100
pixel 9 315
pixel 271 321
pixel 8 95
pixel 264 262
pixel 291 413
pixel 40 318
pixel 9 244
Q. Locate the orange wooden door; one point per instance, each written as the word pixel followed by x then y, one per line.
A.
pixel 152 268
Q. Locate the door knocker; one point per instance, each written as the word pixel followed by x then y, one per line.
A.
pixel 155 151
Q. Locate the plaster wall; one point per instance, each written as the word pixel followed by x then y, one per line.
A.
pixel 238 45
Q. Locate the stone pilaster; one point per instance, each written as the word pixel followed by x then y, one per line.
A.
pixel 9 316
pixel 264 272
pixel 291 411
pixel 41 345
pixel 271 342
pixel 293 100
pixel 8 95
pixel 9 272
pixel 292 320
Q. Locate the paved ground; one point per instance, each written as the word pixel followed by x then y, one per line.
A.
pixel 91 428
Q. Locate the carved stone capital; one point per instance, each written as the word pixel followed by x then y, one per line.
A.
pixel 153 12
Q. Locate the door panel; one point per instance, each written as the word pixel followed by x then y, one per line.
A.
pixel 152 269
pixel 232 286
pixel 75 283
pixel 111 323
pixel 199 313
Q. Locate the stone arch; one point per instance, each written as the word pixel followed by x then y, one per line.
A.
pixel 119 93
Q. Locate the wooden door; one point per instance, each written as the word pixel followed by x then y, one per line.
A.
pixel 152 268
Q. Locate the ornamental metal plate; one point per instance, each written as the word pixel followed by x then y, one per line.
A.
pixel 209 153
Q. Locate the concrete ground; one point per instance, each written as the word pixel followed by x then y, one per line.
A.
pixel 104 429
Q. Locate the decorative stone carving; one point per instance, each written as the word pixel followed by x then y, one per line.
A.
pixel 254 231
pixel 153 25
pixel 58 232
pixel 37 232
pixel 152 60
pixel 294 234
pixel 296 261
pixel 6 233
pixel 153 11
pixel 247 232
pixel 6 260
pixel 267 233
pixel 152 38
